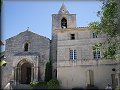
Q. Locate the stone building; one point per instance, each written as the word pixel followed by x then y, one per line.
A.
pixel 26 55
pixel 78 63
pixel 75 60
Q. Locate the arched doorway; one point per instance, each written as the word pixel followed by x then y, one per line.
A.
pixel 24 72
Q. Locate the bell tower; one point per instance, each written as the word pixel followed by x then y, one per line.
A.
pixel 62 20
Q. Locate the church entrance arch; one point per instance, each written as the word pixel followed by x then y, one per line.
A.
pixel 24 72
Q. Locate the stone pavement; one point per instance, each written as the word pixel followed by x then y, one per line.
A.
pixel 21 86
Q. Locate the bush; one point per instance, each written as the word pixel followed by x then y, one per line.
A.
pixel 53 84
pixel 118 88
pixel 38 85
pixel 32 84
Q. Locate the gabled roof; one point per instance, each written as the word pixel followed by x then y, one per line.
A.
pixel 63 10
pixel 27 33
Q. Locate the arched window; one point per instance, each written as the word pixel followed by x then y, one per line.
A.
pixel 26 47
pixel 63 23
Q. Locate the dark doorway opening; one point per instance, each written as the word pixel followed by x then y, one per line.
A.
pixel 26 73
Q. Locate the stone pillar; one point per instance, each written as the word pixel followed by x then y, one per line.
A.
pixel 19 75
pixel 36 74
pixel 14 74
pixel 36 69
pixel 32 73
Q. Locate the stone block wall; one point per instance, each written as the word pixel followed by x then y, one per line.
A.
pixel 38 46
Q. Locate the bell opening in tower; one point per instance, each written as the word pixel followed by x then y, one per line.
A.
pixel 63 23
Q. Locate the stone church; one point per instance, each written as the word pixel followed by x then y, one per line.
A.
pixel 76 63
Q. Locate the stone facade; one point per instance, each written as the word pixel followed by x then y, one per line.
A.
pixel 56 24
pixel 34 59
pixel 74 73
pixel 71 51
pixel 83 69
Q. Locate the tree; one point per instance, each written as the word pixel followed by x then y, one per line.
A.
pixel 48 71
pixel 108 24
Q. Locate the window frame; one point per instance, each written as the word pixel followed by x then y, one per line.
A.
pixel 72 36
pixel 73 54
pixel 96 53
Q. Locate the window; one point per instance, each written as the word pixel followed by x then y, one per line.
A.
pixel 94 35
pixel 96 53
pixel 73 54
pixel 26 47
pixel 72 36
pixel 63 23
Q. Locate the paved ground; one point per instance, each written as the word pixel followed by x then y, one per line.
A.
pixel 21 86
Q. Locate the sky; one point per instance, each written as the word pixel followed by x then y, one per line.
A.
pixel 18 15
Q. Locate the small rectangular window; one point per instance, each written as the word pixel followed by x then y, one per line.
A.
pixel 94 35
pixel 72 36
pixel 73 54
pixel 96 53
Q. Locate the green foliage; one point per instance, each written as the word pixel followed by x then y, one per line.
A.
pixel 118 88
pixel 32 84
pixel 108 24
pixel 48 71
pixel 53 84
pixel 38 85
pixel 111 51
pixel 95 26
pixel 109 19
pixel 98 45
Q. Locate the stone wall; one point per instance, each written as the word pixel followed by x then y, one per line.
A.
pixel 56 20
pixel 56 24
pixel 76 75
pixel 38 54
pixel 72 73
